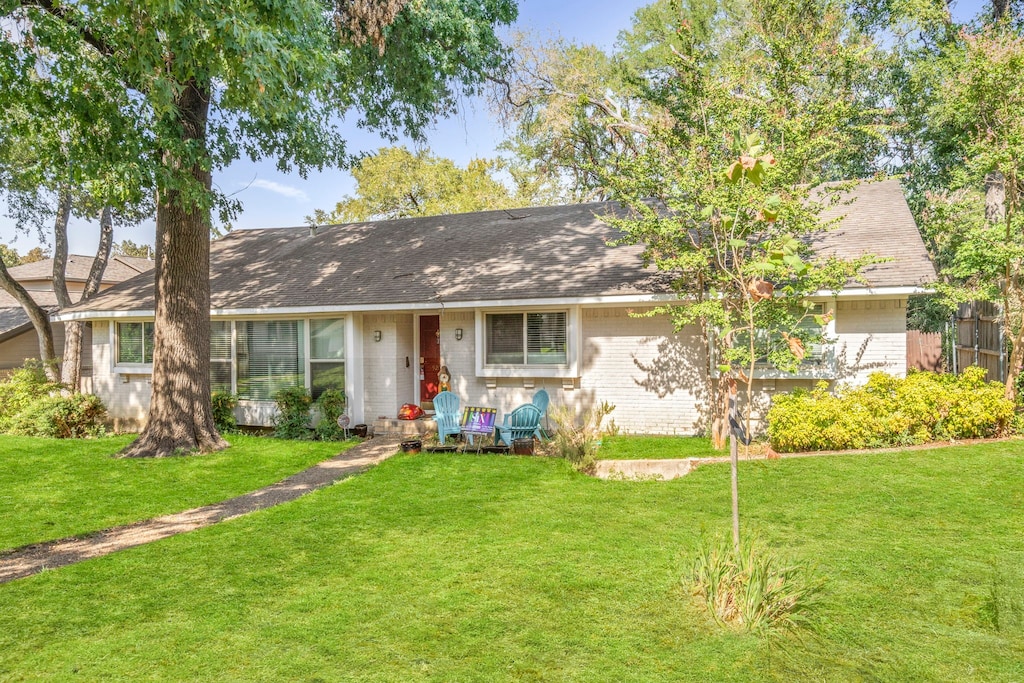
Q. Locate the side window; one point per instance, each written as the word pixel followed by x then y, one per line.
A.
pixel 134 343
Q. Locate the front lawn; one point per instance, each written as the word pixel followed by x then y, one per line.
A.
pixel 635 447
pixel 52 488
pixel 498 568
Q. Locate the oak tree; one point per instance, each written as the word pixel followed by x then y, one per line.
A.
pixel 201 84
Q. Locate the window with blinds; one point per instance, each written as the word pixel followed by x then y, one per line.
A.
pixel 270 357
pixel 134 343
pixel 526 338
pixel 326 356
pixel 545 338
pixel 220 355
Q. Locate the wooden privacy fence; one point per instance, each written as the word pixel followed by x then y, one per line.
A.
pixel 979 339
pixel 924 350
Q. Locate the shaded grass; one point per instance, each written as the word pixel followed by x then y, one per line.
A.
pixel 478 568
pixel 631 447
pixel 53 488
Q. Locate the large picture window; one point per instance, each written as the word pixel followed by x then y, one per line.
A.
pixel 134 343
pixel 537 338
pixel 270 357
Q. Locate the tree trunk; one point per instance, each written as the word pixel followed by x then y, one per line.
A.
pixel 180 417
pixel 71 360
pixel 40 321
pixel 71 368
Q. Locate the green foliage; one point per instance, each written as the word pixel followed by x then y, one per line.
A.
pixel 753 590
pixel 74 416
pixel 578 441
pixel 890 411
pixel 9 255
pixel 224 404
pixel 394 183
pixel 292 418
pixel 129 248
pixel 331 404
pixel 21 389
pixel 32 405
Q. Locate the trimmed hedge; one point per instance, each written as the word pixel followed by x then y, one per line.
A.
pixel 890 411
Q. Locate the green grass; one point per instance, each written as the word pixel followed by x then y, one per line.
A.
pixel 630 447
pixel 480 568
pixel 53 488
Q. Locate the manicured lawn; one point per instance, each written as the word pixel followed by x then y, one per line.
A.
pixel 629 447
pixel 480 568
pixel 52 488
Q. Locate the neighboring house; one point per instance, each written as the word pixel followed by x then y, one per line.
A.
pixel 18 339
pixel 510 301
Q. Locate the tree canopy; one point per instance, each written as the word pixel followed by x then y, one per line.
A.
pixel 195 86
pixel 396 183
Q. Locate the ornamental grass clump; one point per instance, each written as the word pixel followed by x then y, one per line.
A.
pixel 890 411
pixel 577 442
pixel 752 590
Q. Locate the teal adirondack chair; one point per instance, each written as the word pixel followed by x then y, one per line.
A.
pixel 446 414
pixel 521 423
pixel 541 400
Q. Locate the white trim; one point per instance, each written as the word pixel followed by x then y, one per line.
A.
pixel 610 300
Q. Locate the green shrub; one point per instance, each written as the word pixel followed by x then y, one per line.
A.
pixel 24 387
pixel 753 590
pixel 292 419
pixel 577 442
pixel 74 416
pixel 331 405
pixel 224 404
pixel 890 411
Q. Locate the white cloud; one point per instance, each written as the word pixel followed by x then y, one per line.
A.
pixel 281 189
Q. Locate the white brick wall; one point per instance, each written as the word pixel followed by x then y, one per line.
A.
pixel 871 338
pixel 653 376
pixel 127 402
pixel 387 383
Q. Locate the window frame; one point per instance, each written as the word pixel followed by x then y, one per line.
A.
pixel 305 340
pixel 124 367
pixel 823 367
pixel 568 369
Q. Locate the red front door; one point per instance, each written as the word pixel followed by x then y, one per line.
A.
pixel 430 356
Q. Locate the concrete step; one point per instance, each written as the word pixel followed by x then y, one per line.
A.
pixel 404 428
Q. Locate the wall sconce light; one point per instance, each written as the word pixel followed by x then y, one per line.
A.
pixel 458 334
pixel 377 335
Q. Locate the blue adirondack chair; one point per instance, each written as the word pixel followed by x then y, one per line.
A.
pixel 446 414
pixel 541 400
pixel 521 423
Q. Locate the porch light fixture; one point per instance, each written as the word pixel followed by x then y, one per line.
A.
pixel 377 335
pixel 458 334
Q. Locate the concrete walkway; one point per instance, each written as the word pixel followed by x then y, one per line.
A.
pixel 32 559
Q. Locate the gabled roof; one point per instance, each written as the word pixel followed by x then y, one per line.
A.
pixel 521 254
pixel 119 268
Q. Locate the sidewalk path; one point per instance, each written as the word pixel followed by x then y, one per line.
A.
pixel 32 559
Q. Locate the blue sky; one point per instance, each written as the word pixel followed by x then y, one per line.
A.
pixel 272 199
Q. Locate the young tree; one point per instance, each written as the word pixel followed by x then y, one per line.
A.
pixel 722 195
pixel 202 84
pixel 395 183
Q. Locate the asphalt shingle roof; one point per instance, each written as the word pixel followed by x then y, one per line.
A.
pixel 118 268
pixel 536 253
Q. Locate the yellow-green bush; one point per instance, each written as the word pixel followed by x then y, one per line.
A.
pixel 890 411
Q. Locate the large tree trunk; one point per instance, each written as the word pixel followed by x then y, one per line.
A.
pixel 40 321
pixel 180 417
